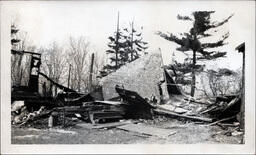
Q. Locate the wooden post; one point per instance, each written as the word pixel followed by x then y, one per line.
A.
pixel 91 72
pixel 69 74
pixel 241 48
pixel 64 118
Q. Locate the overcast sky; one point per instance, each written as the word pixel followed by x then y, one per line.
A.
pixel 47 21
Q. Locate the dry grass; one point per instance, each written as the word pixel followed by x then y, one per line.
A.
pixel 186 133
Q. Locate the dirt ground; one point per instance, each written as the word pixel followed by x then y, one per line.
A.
pixel 185 133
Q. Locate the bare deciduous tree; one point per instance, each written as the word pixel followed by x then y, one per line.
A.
pixel 77 57
pixel 221 82
pixel 20 62
pixel 53 62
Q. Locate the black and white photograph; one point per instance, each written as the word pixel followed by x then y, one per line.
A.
pixel 162 76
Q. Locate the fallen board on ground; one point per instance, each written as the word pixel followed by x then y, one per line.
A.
pixel 169 113
pixel 147 130
pixel 112 125
pixel 85 125
pixel 105 125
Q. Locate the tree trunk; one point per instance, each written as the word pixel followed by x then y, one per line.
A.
pixel 91 72
pixel 117 44
pixel 78 84
pixel 132 43
pixel 193 83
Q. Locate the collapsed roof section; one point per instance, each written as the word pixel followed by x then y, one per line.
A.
pixel 144 76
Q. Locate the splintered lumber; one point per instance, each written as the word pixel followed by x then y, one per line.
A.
pixel 165 112
pixel 210 109
pixel 231 103
pixel 147 130
pixel 222 120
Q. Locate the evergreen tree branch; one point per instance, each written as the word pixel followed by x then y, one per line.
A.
pixel 217 24
pixel 216 44
pixel 204 35
pixel 170 37
pixel 184 17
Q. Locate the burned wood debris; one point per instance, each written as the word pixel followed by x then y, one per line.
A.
pixel 124 97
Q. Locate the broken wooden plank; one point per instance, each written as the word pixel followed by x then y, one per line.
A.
pixel 66 89
pixel 165 112
pixel 147 130
pixel 85 125
pixel 113 125
pixel 209 109
pixel 227 125
pixel 226 132
pixel 222 120
pixel 172 108
pixel 105 125
pixel 110 102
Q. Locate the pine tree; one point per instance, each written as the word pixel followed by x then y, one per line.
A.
pixel 115 50
pixel 125 46
pixel 192 41
pixel 134 43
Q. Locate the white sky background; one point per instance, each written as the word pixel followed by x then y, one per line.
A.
pixel 47 21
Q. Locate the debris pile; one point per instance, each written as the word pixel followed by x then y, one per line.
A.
pixel 224 106
pixel 21 115
pixel 142 89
